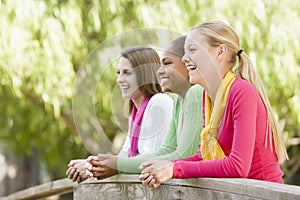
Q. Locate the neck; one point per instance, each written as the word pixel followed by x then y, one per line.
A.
pixel 212 87
pixel 212 90
pixel 138 101
pixel 183 90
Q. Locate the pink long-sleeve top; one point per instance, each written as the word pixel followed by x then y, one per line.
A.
pixel 242 136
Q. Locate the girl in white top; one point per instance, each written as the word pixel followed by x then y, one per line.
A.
pixel 154 125
pixel 150 110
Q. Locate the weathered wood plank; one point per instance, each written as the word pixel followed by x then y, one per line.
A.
pixel 61 186
pixel 137 191
pixel 129 187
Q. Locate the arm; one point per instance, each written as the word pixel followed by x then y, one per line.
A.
pixel 124 151
pixel 243 102
pixel 180 141
pixel 155 123
pixel 189 126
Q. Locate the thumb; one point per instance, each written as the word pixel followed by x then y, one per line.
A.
pixel 90 158
pixel 145 165
pixel 102 156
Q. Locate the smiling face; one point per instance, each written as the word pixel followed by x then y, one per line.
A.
pixel 172 72
pixel 127 80
pixel 198 59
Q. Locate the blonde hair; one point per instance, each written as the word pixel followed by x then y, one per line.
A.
pixel 218 33
pixel 146 62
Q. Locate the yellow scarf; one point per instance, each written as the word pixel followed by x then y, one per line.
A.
pixel 210 148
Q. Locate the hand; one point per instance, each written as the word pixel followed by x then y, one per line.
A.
pixel 156 172
pixel 104 166
pixel 77 170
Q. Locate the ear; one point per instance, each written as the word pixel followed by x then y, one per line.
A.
pixel 222 50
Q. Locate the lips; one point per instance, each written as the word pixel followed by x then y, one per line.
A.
pixel 124 87
pixel 191 67
pixel 163 79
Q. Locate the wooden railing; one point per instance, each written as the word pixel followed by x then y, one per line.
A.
pixel 129 187
pixel 57 187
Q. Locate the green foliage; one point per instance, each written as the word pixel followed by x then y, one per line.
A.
pixel 44 43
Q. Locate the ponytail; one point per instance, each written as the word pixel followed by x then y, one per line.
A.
pixel 245 70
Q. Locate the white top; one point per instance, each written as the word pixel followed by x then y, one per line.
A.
pixel 155 124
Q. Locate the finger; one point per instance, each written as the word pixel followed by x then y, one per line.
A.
pixel 97 175
pixel 78 179
pixel 147 180
pixel 143 176
pixel 103 156
pixel 98 169
pixel 73 162
pixel 156 185
pixel 71 174
pixel 69 170
pixel 88 165
pixel 145 164
pixel 76 174
pixel 90 158
pixel 95 163
pixel 152 183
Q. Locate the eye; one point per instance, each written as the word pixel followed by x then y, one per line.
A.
pixel 127 72
pixel 166 62
pixel 192 50
pixel 118 71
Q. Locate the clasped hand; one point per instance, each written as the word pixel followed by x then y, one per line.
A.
pixel 99 167
pixel 156 172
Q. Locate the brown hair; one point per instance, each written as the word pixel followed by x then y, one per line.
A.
pixel 218 33
pixel 145 62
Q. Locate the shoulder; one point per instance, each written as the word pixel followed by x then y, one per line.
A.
pixel 161 97
pixel 195 92
pixel 243 91
pixel 195 88
pixel 242 87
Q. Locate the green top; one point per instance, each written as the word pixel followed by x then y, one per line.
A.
pixel 183 136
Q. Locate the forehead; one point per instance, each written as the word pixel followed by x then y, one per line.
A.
pixel 168 53
pixel 124 63
pixel 194 38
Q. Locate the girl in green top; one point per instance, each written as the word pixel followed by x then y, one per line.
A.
pixel 183 135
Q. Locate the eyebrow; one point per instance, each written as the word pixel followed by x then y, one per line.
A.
pixel 191 45
pixel 165 59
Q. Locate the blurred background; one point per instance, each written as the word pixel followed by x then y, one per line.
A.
pixel 44 43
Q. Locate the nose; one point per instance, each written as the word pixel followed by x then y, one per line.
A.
pixel 120 79
pixel 160 70
pixel 185 59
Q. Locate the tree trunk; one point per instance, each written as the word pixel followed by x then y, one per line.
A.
pixel 18 173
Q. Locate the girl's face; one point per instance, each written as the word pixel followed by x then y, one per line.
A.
pixel 172 72
pixel 199 59
pixel 127 79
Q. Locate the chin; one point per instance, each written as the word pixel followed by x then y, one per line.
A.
pixel 166 89
pixel 192 81
pixel 125 96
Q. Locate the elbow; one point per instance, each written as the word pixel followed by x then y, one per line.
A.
pixel 238 173
pixel 240 168
pixel 242 171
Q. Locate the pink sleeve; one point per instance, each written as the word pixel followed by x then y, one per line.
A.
pixel 244 102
